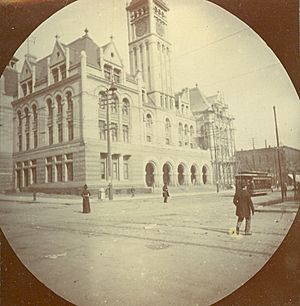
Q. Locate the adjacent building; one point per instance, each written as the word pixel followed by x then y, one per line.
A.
pixel 8 92
pixel 215 133
pixel 266 159
pixel 60 116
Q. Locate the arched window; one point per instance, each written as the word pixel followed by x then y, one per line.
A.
pixel 27 128
pixel 50 121
pixel 59 118
pixel 70 116
pixel 186 130
pixel 180 129
pixel 149 128
pixel 192 131
pixel 19 114
pixel 125 108
pixel 35 125
pixel 168 130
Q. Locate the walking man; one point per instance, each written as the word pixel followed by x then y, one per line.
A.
pixel 244 208
pixel 165 193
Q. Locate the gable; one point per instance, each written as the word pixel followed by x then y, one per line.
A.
pixel 26 72
pixel 58 55
pixel 111 55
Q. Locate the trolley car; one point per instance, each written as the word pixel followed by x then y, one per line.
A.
pixel 257 182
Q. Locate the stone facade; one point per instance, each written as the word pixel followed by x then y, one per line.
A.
pixel 60 116
pixel 8 92
pixel 266 159
pixel 215 132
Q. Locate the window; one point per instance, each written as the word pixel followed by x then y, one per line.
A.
pixel 102 130
pixel 114 132
pixel 30 87
pixel 117 75
pixel 63 72
pixel 60 132
pixel 148 128
pixel 167 141
pixel 113 106
pixel 20 142
pixel 58 167
pixel 115 170
pixel 50 132
pixel 70 116
pixel 180 143
pixel 125 133
pixel 125 171
pixel 27 141
pixel 35 139
pixel 107 72
pixel 186 130
pixel 33 172
pixel 102 171
pixel 125 109
pixel 55 75
pixel 70 130
pixel 69 167
pixel 49 170
pixel 24 89
pixel 149 139
pixel 180 129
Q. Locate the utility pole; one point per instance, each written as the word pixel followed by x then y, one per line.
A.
pixel 278 155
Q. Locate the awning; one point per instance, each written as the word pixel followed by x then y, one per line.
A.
pixel 297 177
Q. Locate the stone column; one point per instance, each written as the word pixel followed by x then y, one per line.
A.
pixel 67 61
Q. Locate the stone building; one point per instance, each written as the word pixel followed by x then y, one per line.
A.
pixel 215 131
pixel 8 92
pixel 266 159
pixel 60 116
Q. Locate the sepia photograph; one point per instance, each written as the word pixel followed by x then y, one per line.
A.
pixel 149 155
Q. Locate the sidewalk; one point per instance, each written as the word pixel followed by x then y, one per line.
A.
pixel 269 199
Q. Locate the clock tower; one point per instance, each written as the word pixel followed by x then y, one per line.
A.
pixel 149 48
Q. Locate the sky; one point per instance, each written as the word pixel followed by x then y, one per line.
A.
pixel 210 47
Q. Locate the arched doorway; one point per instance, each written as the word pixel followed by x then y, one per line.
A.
pixel 150 174
pixel 180 170
pixel 204 174
pixel 166 174
pixel 193 175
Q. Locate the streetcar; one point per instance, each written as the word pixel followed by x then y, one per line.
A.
pixel 257 182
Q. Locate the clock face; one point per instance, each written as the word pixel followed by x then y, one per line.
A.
pixel 141 28
pixel 160 29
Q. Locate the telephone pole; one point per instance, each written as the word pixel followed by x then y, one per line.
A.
pixel 278 155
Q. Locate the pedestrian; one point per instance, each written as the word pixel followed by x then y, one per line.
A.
pixel 284 189
pixel 132 191
pixel 86 200
pixel 165 193
pixel 244 208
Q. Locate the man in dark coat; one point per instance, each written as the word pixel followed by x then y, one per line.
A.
pixel 244 208
pixel 165 193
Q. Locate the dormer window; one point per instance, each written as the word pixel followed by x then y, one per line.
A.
pixel 107 72
pixel 55 75
pixel 63 72
pixel 117 75
pixel 24 89
pixel 57 54
pixel 30 87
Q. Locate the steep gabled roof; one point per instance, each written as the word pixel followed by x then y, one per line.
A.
pixel 199 102
pixel 89 46
pixel 41 69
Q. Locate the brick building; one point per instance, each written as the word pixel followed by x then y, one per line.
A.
pixel 266 159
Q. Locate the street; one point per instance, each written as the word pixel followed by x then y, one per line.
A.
pixel 141 251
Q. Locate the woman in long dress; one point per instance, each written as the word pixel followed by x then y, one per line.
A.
pixel 86 200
